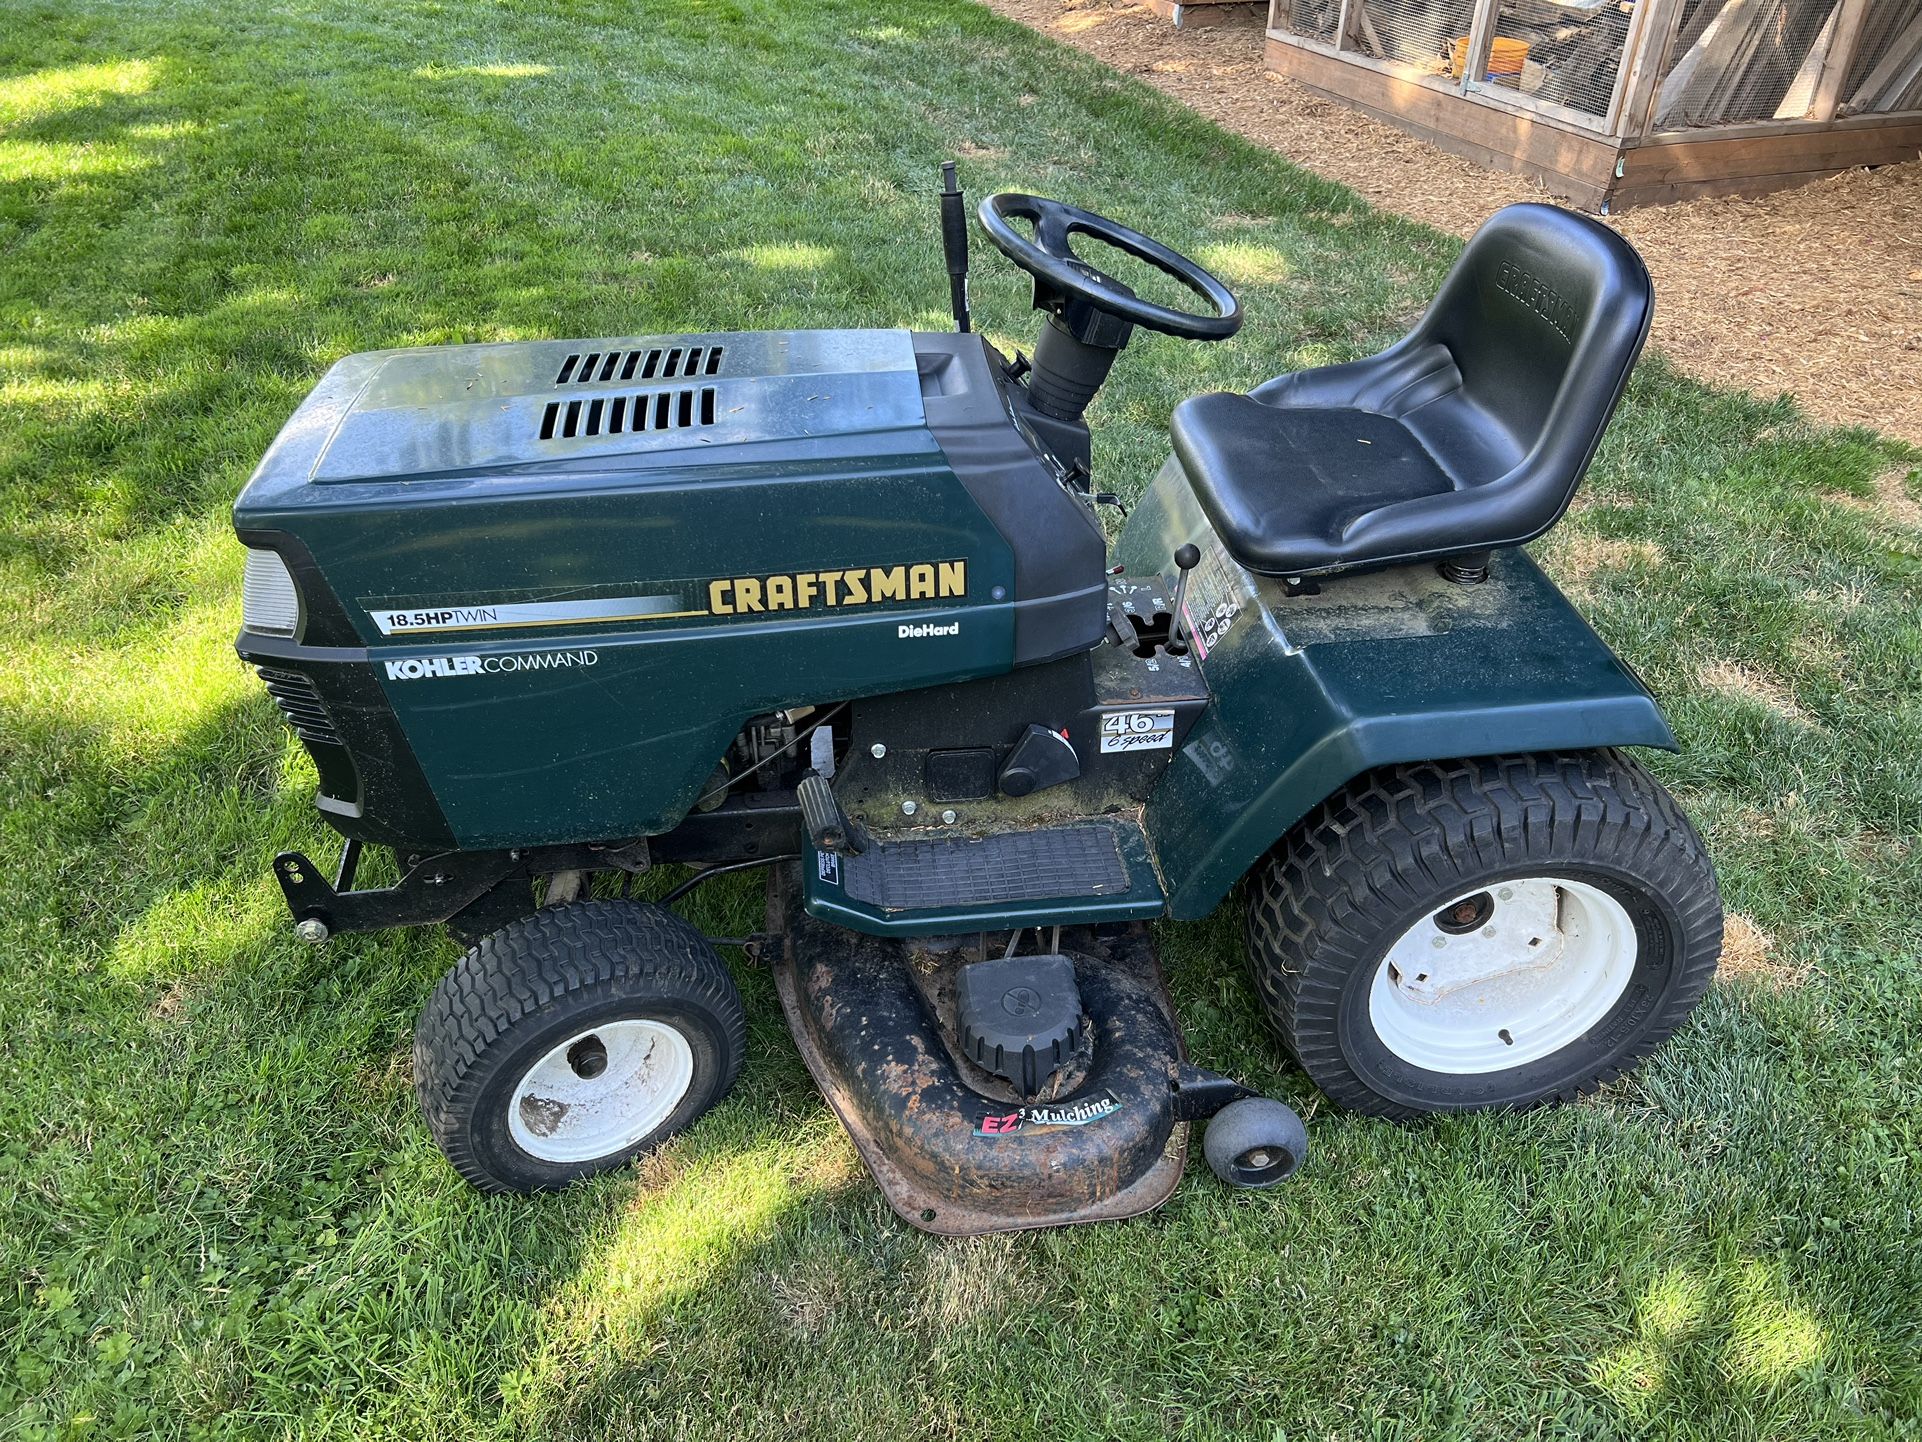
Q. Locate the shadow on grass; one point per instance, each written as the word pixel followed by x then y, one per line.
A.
pixel 801 1307
pixel 224 1114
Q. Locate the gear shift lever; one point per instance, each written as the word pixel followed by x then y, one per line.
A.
pixel 1186 559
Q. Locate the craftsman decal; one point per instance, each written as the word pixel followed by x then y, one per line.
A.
pixel 726 596
pixel 1041 1118
pixel 1138 731
pixel 1536 294
pixel 863 586
pixel 416 668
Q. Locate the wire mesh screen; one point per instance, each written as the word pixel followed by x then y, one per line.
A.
pixel 1427 34
pixel 1316 19
pixel 1741 60
pixel 1886 73
pixel 1568 53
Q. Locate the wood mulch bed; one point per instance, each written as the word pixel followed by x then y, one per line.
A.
pixel 1815 291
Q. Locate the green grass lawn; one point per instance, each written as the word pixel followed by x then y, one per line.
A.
pixel 219 1211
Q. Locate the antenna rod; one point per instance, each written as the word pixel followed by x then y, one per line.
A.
pixel 954 242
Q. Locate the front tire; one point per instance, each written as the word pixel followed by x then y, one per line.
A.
pixel 574 1040
pixel 1498 932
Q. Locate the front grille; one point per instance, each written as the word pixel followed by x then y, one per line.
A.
pixel 611 415
pixel 656 363
pixel 299 702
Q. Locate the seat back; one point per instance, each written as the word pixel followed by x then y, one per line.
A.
pixel 1543 316
pixel 1470 434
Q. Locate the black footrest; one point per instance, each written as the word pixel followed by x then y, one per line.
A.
pixel 984 871
pixel 927 884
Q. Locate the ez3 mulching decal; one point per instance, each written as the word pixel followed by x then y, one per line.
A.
pixel 1042 1118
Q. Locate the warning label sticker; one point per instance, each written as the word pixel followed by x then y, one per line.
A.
pixel 1214 600
pixel 1138 731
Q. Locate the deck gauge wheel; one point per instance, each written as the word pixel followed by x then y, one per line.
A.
pixel 1256 1142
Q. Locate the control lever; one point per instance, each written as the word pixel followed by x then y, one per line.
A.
pixel 1043 757
pixel 954 244
pixel 1186 559
pixel 827 824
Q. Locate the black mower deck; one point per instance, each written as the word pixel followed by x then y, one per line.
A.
pixel 952 1146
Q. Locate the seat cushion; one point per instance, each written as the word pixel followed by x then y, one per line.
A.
pixel 1281 484
pixel 1467 435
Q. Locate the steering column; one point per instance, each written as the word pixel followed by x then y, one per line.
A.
pixel 1091 314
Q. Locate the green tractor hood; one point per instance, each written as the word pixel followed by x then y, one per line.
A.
pixel 563 408
pixel 537 589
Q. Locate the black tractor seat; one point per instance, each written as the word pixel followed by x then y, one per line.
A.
pixel 1467 435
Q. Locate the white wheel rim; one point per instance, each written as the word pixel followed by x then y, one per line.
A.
pixel 600 1091
pixel 1545 961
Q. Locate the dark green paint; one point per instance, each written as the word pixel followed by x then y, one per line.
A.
pixel 418 479
pixel 440 501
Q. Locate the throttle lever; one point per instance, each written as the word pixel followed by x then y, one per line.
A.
pixel 1186 559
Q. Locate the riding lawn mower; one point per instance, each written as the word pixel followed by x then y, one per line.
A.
pixel 837 605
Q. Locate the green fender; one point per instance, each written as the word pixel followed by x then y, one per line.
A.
pixel 1309 692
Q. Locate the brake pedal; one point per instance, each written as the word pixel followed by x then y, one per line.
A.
pixel 827 824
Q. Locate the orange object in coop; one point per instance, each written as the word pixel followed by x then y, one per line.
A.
pixel 1505 56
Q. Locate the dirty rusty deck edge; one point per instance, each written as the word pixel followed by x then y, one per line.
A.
pixel 911 1201
pixel 956 1219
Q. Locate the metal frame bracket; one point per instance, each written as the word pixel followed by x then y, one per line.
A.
pixel 434 888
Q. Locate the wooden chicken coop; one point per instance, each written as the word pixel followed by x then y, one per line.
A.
pixel 1614 103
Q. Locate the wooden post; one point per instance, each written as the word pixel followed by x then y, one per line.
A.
pixel 1849 21
pixel 1635 92
pixel 1344 18
pixel 1481 38
pixel 1365 34
pixel 1634 50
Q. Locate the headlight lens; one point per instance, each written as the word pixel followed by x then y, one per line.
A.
pixel 268 602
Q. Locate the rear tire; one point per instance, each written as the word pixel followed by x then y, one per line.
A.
pixel 1498 932
pixel 574 1040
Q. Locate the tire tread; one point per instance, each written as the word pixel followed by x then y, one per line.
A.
pixel 1399 834
pixel 540 962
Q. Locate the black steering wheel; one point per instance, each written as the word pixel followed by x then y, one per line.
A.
pixel 1061 276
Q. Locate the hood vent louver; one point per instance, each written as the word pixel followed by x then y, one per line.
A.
pixel 299 701
pixel 612 415
pixel 656 363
